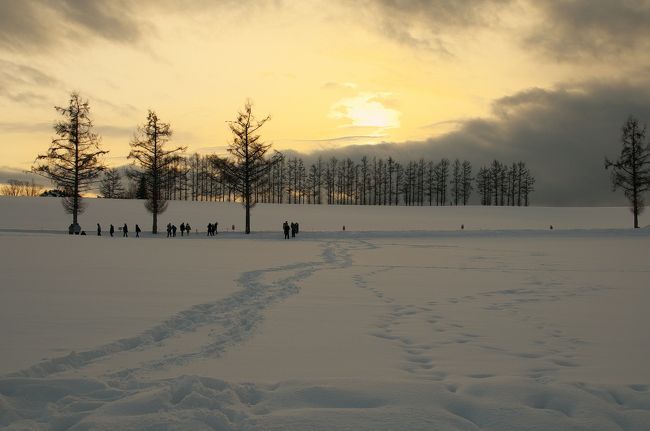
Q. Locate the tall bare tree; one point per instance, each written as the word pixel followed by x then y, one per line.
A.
pixel 631 172
pixel 149 154
pixel 74 160
pixel 247 166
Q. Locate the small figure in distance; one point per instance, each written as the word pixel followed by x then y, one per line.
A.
pixel 343 228
pixel 214 228
pixel 174 230
pixel 285 228
pixel 111 231
pixel 233 227
pixel 209 229
pixel 137 231
pixel 551 227
pixel 462 227
pixel 293 230
pixel 125 231
pixel 297 228
pixel 188 228
pixel 182 228
pixel 99 230
pixel 169 230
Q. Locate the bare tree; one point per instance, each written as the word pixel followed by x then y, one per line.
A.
pixel 247 165
pixel 466 180
pixel 149 154
pixel 456 181
pixel 631 172
pixel 73 161
pixel 111 186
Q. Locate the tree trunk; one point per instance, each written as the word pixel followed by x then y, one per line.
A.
pixel 248 217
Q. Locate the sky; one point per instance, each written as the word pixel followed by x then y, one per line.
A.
pixel 546 82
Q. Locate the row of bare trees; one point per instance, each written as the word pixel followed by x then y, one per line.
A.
pixel 20 188
pixel 335 181
pixel 500 184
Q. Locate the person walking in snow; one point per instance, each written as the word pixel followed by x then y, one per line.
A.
pixel 125 231
pixel 182 228
pixel 188 228
pixel 174 230
pixel 111 231
pixel 137 231
pixel 99 230
pixel 214 228
pixel 285 228
pixel 293 230
pixel 169 230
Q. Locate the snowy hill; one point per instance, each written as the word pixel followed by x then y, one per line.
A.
pixel 402 322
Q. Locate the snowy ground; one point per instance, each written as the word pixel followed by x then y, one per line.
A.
pixel 405 323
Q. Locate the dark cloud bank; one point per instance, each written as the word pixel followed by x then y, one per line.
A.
pixel 563 134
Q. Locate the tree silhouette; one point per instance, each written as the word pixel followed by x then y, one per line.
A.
pixel 111 185
pixel 73 161
pixel 631 172
pixel 247 167
pixel 149 153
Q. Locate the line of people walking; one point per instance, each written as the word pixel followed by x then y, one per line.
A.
pixel 111 230
pixel 294 228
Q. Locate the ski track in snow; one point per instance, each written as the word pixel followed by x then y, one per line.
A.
pixel 35 398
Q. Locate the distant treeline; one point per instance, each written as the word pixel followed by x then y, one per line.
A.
pixel 368 181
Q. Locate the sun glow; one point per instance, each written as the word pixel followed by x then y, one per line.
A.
pixel 366 110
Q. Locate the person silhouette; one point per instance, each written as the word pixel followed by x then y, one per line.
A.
pixel 285 228
pixel 137 231
pixel 99 230
pixel 111 231
pixel 125 231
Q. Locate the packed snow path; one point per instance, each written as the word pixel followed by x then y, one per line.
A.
pixel 391 332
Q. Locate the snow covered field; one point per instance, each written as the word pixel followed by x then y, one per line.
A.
pixel 403 322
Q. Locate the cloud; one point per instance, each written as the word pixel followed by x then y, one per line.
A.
pixel 15 127
pixel 562 133
pixel 17 82
pixel 431 24
pixel 114 131
pixel 578 29
pixel 35 25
